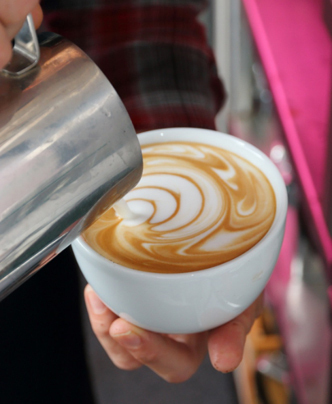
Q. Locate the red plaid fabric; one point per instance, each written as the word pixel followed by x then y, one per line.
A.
pixel 154 52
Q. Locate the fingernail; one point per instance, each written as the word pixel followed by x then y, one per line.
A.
pixel 96 304
pixel 222 368
pixel 227 371
pixel 128 339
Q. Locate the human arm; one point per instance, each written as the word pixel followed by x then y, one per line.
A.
pixel 12 17
pixel 175 358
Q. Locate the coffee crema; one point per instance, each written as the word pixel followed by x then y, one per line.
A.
pixel 196 206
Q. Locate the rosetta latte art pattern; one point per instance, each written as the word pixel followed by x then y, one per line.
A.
pixel 195 207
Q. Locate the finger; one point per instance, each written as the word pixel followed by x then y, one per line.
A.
pixel 6 35
pixel 14 12
pixel 13 29
pixel 101 319
pixel 37 15
pixel 5 48
pixel 173 361
pixel 12 18
pixel 226 343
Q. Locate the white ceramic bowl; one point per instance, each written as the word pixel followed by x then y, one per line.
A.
pixel 195 301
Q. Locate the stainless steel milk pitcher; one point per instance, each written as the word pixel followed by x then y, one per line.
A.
pixel 68 151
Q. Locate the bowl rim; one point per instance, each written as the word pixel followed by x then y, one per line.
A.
pixel 277 225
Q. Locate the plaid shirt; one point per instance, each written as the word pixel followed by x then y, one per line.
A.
pixel 154 52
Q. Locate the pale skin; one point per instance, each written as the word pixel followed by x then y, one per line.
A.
pixel 175 358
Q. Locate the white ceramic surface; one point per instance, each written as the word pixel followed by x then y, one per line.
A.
pixel 195 301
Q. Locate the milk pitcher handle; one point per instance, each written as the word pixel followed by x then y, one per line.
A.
pixel 25 50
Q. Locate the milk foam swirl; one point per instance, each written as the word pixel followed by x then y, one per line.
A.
pixel 196 206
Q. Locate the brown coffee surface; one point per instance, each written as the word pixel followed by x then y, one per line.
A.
pixel 196 206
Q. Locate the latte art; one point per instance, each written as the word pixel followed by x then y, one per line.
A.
pixel 195 207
